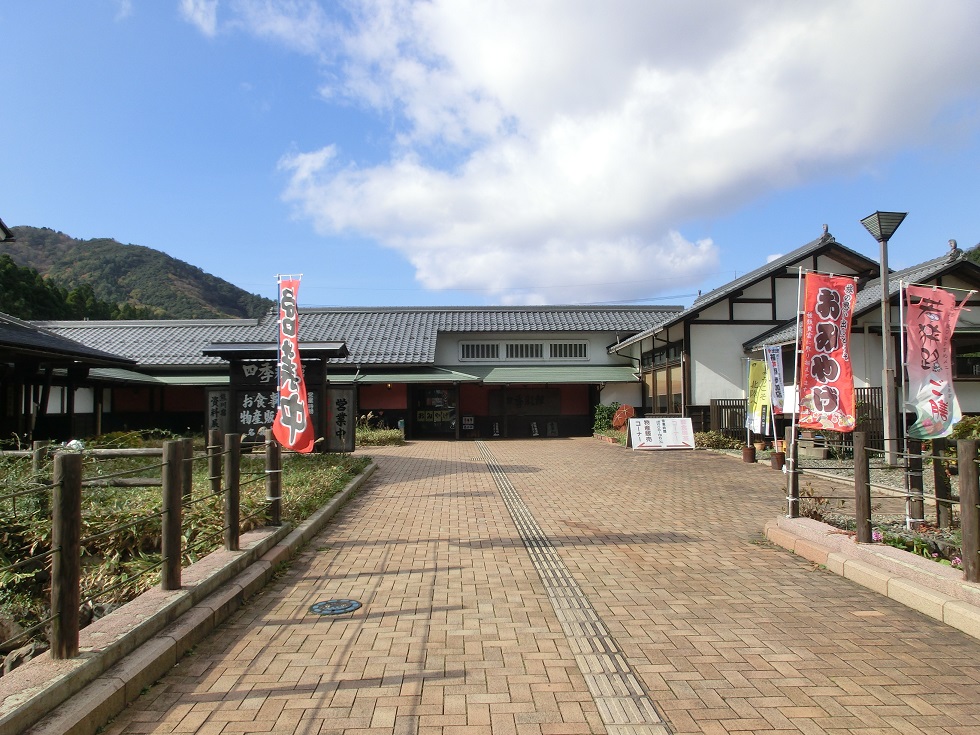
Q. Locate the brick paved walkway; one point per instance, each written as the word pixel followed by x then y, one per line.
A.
pixel 459 633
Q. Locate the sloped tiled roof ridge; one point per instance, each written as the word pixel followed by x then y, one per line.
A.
pixel 374 335
pixel 825 241
pixel 869 297
pixel 408 335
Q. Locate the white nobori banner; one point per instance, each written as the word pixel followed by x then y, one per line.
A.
pixel 661 433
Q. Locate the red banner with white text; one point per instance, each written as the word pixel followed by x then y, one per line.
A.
pixel 930 319
pixel 826 381
pixel 293 427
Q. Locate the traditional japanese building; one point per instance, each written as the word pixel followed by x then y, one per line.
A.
pixel 438 372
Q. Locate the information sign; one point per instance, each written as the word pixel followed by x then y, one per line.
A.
pixel 661 433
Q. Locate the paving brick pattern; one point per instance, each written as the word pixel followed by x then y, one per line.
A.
pixel 458 636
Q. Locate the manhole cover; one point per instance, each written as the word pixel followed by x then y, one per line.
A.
pixel 334 607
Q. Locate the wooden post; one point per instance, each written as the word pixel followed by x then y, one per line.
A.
pixel 39 450
pixel 214 460
pixel 273 479
pixel 792 475
pixel 66 565
pixel 940 479
pixel 233 474
pixel 187 468
pixel 966 459
pixel 172 512
pixel 862 488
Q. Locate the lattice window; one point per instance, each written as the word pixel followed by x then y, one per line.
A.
pixel 525 350
pixel 479 351
pixel 569 350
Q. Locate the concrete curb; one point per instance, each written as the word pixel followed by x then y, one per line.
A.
pixel 933 589
pixel 134 646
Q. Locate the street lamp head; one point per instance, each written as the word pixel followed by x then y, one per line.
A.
pixel 882 225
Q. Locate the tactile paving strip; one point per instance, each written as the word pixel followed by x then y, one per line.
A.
pixel 624 705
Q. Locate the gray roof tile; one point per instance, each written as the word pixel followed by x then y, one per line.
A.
pixel 25 337
pixel 869 297
pixel 824 242
pixel 374 336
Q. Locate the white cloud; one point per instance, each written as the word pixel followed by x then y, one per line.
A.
pixel 585 134
pixel 124 9
pixel 201 13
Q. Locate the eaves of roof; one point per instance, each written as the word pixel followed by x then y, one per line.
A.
pixel 30 340
pixel 869 297
pixel 824 243
pixel 581 374
pixel 374 336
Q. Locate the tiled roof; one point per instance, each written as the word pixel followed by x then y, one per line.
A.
pixel 23 337
pixel 152 343
pixel 408 336
pixel 378 336
pixel 824 242
pixel 869 297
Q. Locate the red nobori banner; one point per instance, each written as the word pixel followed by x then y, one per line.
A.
pixel 292 427
pixel 826 382
pixel 930 321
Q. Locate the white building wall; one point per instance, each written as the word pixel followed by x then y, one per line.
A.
pixel 717 361
pixel 968 394
pixel 626 393
pixel 448 350
pixel 85 400
pixel 58 400
pixel 788 298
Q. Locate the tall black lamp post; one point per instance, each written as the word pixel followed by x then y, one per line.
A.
pixel 882 226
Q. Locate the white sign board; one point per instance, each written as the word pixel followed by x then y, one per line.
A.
pixel 662 433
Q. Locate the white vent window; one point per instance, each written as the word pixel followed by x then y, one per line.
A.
pixel 480 351
pixel 569 350
pixel 525 351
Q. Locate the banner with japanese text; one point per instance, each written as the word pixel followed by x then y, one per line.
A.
pixel 293 427
pixel 758 402
pixel 931 315
pixel 777 390
pixel 826 381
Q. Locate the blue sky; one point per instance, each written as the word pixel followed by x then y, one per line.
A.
pixel 455 152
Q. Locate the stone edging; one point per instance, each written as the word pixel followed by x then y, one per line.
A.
pixel 134 646
pixel 934 589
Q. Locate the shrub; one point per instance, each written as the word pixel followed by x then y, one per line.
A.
pixel 967 427
pixel 716 440
pixel 604 417
pixel 373 433
pixel 367 437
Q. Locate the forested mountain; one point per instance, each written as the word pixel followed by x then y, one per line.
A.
pixel 25 294
pixel 137 281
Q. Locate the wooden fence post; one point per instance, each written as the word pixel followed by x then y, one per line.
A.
pixel 966 460
pixel 940 478
pixel 66 565
pixel 172 512
pixel 273 479
pixel 187 468
pixel 862 488
pixel 215 444
pixel 792 475
pixel 39 450
pixel 233 474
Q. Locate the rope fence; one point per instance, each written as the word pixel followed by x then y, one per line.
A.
pixel 964 506
pixel 63 499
